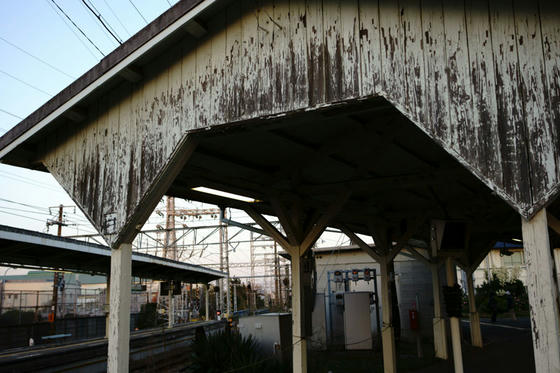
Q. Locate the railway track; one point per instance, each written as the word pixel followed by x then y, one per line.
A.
pixel 158 349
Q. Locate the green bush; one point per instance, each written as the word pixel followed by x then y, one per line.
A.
pixel 230 352
pixel 498 286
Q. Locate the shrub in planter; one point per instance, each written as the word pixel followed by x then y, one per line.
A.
pixel 226 351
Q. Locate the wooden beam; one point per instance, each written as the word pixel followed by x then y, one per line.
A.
pixel 317 229
pixel 270 230
pixel 196 28
pixel 75 115
pixel 378 230
pixel 553 222
pixel 131 73
pixel 358 241
pixel 543 293
pixel 419 256
pixel 160 185
pixel 292 232
pixel 411 230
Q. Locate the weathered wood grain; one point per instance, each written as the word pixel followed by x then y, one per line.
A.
pixel 509 108
pixel 483 80
pixel 349 48
pixel 411 19
pixel 203 88
pixel 282 95
pixel 232 74
pixel 392 51
pixel 265 71
pixel 458 80
pixel 332 25
pixel 550 29
pixel 217 74
pixel 370 44
pixel 299 60
pixel 534 94
pixel 435 59
pixel 250 58
pixel 481 77
pixel 315 52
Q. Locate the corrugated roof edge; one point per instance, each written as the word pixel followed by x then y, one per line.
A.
pixel 108 62
pixel 135 255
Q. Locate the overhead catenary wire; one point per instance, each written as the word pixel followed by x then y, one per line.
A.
pixel 11 114
pixel 25 83
pixel 101 20
pixel 24 204
pixel 116 17
pixel 78 27
pixel 95 57
pixel 21 216
pixel 138 11
pixel 37 58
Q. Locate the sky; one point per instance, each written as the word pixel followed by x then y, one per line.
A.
pixel 44 46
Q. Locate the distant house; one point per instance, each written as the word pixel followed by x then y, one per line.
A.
pixel 81 295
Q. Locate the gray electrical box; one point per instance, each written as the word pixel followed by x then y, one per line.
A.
pixel 357 321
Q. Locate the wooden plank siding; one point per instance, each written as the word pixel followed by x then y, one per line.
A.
pixel 482 78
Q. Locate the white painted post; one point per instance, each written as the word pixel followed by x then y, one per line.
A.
pixel 439 326
pixel 170 306
pixel 298 339
pixel 476 334
pixel 387 330
pixel 454 322
pixel 543 293
pixel 557 262
pixel 119 309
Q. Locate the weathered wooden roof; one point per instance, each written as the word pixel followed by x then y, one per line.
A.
pixel 472 86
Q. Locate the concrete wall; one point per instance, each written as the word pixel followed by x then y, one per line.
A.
pixel 272 331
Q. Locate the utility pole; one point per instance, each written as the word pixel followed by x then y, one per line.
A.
pixel 170 252
pixel 225 243
pixel 57 277
pixel 276 276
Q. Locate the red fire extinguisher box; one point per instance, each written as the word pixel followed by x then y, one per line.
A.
pixel 413 318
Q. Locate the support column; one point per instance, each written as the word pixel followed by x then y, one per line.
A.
pixel 454 322
pixel 298 338
pixel 119 309
pixel 476 334
pixel 543 293
pixel 387 331
pixel 106 305
pixel 207 302
pixel 170 306
pixel 439 326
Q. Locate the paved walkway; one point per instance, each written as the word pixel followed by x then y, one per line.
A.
pixel 507 348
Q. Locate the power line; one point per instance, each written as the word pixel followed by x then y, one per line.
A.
pixel 79 29
pixel 116 17
pixel 130 1
pixel 27 84
pixel 22 210
pixel 36 58
pixel 98 15
pixel 12 114
pixel 23 204
pixel 72 30
pixel 40 183
pixel 21 216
